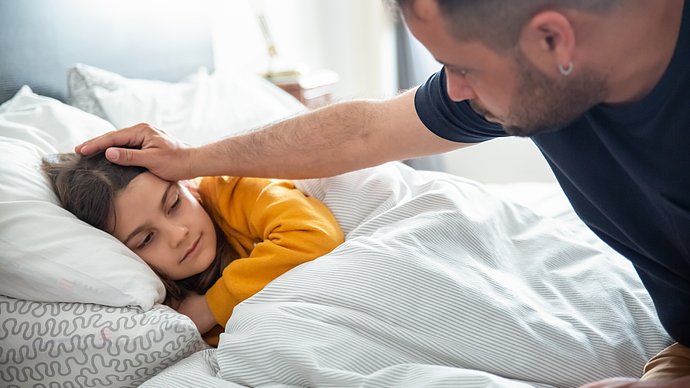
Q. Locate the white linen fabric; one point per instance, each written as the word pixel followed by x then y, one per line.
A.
pixel 47 122
pixel 439 283
pixel 201 370
pixel 199 109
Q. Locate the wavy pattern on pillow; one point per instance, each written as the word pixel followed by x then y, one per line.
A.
pixel 86 345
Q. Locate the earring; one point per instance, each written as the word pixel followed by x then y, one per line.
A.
pixel 566 70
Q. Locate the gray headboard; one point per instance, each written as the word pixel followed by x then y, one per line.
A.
pixel 153 39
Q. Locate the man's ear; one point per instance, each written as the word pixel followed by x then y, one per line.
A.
pixel 424 9
pixel 192 187
pixel 548 40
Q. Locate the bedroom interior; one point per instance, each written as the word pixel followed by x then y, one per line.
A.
pixel 327 34
pixel 426 252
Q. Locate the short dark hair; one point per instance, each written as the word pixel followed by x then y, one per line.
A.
pixel 497 23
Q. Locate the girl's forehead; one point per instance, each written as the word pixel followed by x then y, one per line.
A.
pixel 145 181
pixel 134 204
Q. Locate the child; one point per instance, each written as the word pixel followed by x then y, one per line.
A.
pixel 214 242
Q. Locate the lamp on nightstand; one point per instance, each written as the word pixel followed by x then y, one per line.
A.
pixel 312 88
pixel 277 70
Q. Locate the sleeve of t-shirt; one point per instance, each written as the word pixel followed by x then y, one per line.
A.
pixel 455 121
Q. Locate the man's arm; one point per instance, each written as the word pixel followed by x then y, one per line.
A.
pixel 335 139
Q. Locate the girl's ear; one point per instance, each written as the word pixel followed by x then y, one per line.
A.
pixel 192 187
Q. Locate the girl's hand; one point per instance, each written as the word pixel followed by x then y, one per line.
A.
pixel 195 307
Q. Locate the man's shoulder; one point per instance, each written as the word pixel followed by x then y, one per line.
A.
pixel 455 121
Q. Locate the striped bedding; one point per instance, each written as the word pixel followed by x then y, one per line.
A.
pixel 439 284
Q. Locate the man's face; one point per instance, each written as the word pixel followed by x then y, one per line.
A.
pixel 165 225
pixel 506 89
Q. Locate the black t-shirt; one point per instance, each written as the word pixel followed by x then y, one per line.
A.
pixel 625 169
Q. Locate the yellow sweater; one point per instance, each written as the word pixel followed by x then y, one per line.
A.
pixel 272 226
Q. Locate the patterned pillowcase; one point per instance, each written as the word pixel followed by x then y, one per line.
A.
pixel 87 345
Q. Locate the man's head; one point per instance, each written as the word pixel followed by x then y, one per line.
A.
pixel 516 62
pixel 498 23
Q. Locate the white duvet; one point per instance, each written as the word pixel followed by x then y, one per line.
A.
pixel 439 283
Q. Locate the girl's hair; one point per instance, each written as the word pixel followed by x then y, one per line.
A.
pixel 87 187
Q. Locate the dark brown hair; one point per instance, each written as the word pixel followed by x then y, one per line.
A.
pixel 498 23
pixel 87 187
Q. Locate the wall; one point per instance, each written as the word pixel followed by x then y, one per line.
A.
pixel 356 39
pixel 500 161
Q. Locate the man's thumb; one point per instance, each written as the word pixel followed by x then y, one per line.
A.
pixel 121 156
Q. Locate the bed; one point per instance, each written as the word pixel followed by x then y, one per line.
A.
pixel 441 281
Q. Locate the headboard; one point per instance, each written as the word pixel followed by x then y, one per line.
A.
pixel 153 39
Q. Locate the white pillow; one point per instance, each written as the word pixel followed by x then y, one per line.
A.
pixel 200 109
pixel 42 120
pixel 47 253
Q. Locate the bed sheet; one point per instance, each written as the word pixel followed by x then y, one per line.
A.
pixel 547 199
pixel 440 282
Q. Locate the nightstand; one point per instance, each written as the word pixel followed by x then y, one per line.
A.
pixel 313 89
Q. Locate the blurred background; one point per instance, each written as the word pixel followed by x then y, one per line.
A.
pixel 373 56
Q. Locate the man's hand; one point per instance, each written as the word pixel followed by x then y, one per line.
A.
pixel 164 156
pixel 195 307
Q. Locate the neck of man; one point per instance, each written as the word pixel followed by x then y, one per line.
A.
pixel 641 45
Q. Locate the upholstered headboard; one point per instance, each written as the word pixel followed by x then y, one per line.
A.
pixel 153 39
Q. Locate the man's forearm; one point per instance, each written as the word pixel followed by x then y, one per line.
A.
pixel 329 141
pixel 326 142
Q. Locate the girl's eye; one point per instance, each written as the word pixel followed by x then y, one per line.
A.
pixel 147 240
pixel 176 203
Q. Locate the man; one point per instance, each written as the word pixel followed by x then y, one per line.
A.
pixel 602 87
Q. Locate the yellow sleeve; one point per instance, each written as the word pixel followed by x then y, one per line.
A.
pixel 273 226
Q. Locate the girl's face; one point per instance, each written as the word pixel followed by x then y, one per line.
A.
pixel 165 225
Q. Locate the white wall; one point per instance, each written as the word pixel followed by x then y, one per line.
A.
pixel 501 160
pixel 355 38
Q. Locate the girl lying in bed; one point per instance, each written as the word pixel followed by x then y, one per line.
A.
pixel 214 241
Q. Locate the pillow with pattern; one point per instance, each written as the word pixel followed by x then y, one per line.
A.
pixel 89 345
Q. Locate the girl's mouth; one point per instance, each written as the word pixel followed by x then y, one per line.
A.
pixel 191 249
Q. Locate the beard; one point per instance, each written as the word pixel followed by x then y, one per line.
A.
pixel 542 104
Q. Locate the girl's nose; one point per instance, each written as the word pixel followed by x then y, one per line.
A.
pixel 178 234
